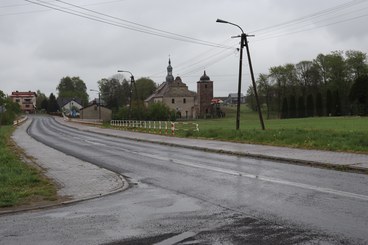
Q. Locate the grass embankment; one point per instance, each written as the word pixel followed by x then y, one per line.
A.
pixel 349 134
pixel 20 184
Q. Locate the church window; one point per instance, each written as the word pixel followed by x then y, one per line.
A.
pixel 205 86
pixel 173 101
pixel 184 100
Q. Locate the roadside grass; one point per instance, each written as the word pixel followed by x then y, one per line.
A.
pixel 348 134
pixel 20 184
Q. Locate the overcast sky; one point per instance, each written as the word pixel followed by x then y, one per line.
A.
pixel 39 45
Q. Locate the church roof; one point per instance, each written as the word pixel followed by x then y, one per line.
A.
pixel 171 87
pixel 204 77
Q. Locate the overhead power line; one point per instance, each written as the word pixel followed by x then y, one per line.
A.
pixel 118 22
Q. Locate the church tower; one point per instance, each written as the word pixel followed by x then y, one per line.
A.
pixel 205 94
pixel 169 77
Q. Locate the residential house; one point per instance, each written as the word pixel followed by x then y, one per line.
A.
pixel 26 100
pixel 95 112
pixel 70 107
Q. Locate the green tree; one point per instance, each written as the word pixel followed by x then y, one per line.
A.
pixel 337 103
pixel 284 109
pixel 319 105
pixel 310 106
pixel 73 87
pixel 359 94
pixel 284 80
pixel 301 107
pixel 264 89
pixel 45 104
pixel 144 87
pixel 40 98
pixel 292 107
pixel 159 112
pixel 9 109
pixel 329 103
pixel 356 62
pixel 52 104
pixel 113 92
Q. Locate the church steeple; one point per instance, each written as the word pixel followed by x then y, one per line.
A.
pixel 169 77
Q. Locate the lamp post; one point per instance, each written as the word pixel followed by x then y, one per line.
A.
pixel 244 42
pixel 130 92
pixel 99 103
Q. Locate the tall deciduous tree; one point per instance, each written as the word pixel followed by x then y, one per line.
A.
pixel 319 105
pixel 115 91
pixel 359 94
pixel 40 98
pixel 144 88
pixel 310 106
pixel 73 87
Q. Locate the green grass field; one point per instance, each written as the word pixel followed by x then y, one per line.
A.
pixel 20 184
pixel 348 134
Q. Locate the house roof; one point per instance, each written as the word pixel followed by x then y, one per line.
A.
pixel 235 95
pixel 63 101
pixel 92 105
pixel 172 89
pixel 23 94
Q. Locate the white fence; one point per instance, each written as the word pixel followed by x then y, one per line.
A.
pixel 160 127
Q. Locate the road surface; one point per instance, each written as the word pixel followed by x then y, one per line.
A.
pixel 186 196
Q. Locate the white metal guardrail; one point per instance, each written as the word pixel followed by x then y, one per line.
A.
pixel 160 127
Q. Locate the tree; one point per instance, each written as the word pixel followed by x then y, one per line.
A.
pixel 337 103
pixel 303 73
pixel 301 107
pixel 144 87
pixel 45 104
pixel 9 109
pixel 52 104
pixel 265 91
pixel 113 92
pixel 292 107
pixel 160 112
pixel 310 106
pixel 319 105
pixel 356 62
pixel 73 87
pixel 40 98
pixel 284 79
pixel 284 109
pixel 329 103
pixel 359 94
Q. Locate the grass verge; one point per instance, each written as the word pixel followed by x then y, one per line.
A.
pixel 20 183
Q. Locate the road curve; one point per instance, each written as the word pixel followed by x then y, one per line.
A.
pixel 230 198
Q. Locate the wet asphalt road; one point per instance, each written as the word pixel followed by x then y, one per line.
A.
pixel 195 198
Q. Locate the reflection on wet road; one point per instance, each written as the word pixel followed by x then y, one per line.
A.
pixel 205 198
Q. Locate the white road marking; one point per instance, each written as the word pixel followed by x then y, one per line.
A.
pixel 177 238
pixel 262 178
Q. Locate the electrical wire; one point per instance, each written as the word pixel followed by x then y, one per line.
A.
pixel 131 25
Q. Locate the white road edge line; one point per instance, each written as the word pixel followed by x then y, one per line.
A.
pixel 268 179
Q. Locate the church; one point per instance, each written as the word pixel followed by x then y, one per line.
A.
pixel 188 104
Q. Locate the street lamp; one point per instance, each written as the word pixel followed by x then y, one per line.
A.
pixel 244 42
pixel 130 92
pixel 99 103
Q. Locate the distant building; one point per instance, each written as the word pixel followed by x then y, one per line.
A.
pixel 95 112
pixel 70 107
pixel 205 95
pixel 26 100
pixel 175 94
pixel 233 98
